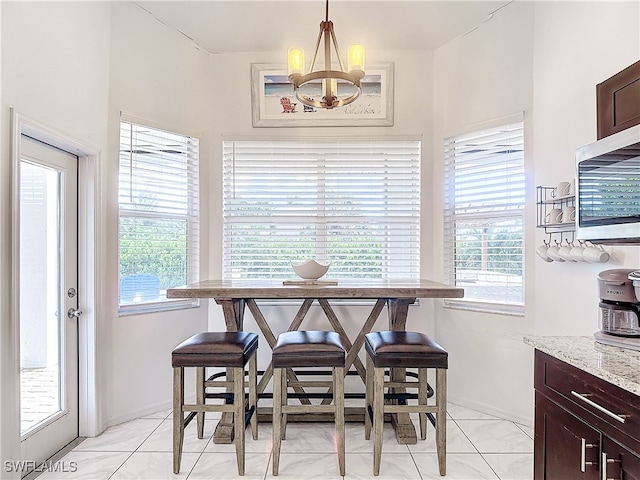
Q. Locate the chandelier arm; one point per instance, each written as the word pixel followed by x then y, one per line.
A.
pixel 327 45
pixel 335 45
pixel 329 94
pixel 313 62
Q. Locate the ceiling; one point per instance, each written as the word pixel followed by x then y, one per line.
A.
pixel 265 25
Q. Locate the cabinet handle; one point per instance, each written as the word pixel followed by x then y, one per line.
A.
pixel 583 397
pixel 605 461
pixel 583 455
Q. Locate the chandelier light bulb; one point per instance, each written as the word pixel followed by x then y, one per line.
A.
pixel 296 61
pixel 355 58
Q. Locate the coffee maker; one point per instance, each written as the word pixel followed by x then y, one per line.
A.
pixel 619 308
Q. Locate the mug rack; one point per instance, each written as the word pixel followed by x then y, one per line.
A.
pixel 560 233
pixel 546 201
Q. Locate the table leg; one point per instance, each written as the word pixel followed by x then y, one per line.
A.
pixel 271 340
pixel 233 310
pixel 398 310
pixel 352 349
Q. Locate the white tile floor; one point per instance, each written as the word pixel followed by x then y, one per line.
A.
pixel 479 446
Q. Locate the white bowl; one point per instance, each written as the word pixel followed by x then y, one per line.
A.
pixel 310 269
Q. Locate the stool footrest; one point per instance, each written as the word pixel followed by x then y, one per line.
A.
pixel 226 396
pixel 391 408
pixel 208 408
pixel 308 409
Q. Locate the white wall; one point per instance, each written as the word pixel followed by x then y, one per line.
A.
pixel 605 39
pixel 479 77
pixel 157 75
pixel 543 58
pixel 54 70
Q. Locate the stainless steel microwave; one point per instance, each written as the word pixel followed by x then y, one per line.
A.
pixel 608 189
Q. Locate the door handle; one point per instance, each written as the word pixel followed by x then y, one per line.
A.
pixel 74 313
pixel 583 455
pixel 605 461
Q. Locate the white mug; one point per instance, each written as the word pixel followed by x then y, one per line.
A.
pixel 577 253
pixel 554 216
pixel 595 255
pixel 568 214
pixel 541 251
pixel 564 252
pixel 562 190
pixel 552 253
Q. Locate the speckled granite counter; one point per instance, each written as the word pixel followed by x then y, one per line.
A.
pixel 618 366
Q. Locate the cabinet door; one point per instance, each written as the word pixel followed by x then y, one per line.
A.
pixel 621 463
pixel 565 447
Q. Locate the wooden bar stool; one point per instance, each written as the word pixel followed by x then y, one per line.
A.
pixel 389 349
pixel 231 350
pixel 307 349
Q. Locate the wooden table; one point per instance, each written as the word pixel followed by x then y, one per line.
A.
pixel 397 295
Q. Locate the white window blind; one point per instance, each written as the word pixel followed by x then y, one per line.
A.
pixel 356 203
pixel 158 216
pixel 484 217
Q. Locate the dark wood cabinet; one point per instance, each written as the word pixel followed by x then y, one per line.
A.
pixel 618 101
pixel 566 447
pixel 582 425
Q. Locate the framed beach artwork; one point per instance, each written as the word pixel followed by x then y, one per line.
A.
pixel 274 103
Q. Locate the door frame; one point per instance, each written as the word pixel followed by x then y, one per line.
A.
pixel 91 250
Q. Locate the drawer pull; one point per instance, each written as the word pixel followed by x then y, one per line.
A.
pixel 605 461
pixel 619 418
pixel 583 455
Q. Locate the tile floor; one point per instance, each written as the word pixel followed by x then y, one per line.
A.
pixel 479 446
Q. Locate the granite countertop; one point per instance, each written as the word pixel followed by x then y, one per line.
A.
pixel 618 366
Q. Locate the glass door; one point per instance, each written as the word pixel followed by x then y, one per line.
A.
pixel 48 300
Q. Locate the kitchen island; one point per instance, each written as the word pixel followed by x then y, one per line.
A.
pixel 587 414
pixel 397 295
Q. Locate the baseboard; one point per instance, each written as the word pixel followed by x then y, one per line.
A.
pixel 145 411
pixel 492 410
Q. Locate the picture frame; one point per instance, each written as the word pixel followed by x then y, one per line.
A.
pixel 274 102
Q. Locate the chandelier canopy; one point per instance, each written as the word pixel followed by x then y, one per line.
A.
pixel 328 77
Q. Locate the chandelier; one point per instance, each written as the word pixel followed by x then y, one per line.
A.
pixel 328 76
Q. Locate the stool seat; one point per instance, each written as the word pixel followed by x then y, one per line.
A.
pixel 215 349
pixel 405 349
pixel 309 348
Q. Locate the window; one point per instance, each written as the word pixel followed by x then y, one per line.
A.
pixel 356 203
pixel 158 217
pixel 484 217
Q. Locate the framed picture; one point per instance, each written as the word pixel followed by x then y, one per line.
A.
pixel 274 103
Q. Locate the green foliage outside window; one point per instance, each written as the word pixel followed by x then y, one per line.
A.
pixel 154 247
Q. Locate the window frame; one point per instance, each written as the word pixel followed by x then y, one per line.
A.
pixel 230 142
pixel 191 217
pixel 449 219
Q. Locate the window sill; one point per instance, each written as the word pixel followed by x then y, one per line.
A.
pixel 495 308
pixel 166 306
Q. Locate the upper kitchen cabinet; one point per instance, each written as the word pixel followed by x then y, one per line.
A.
pixel 618 101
